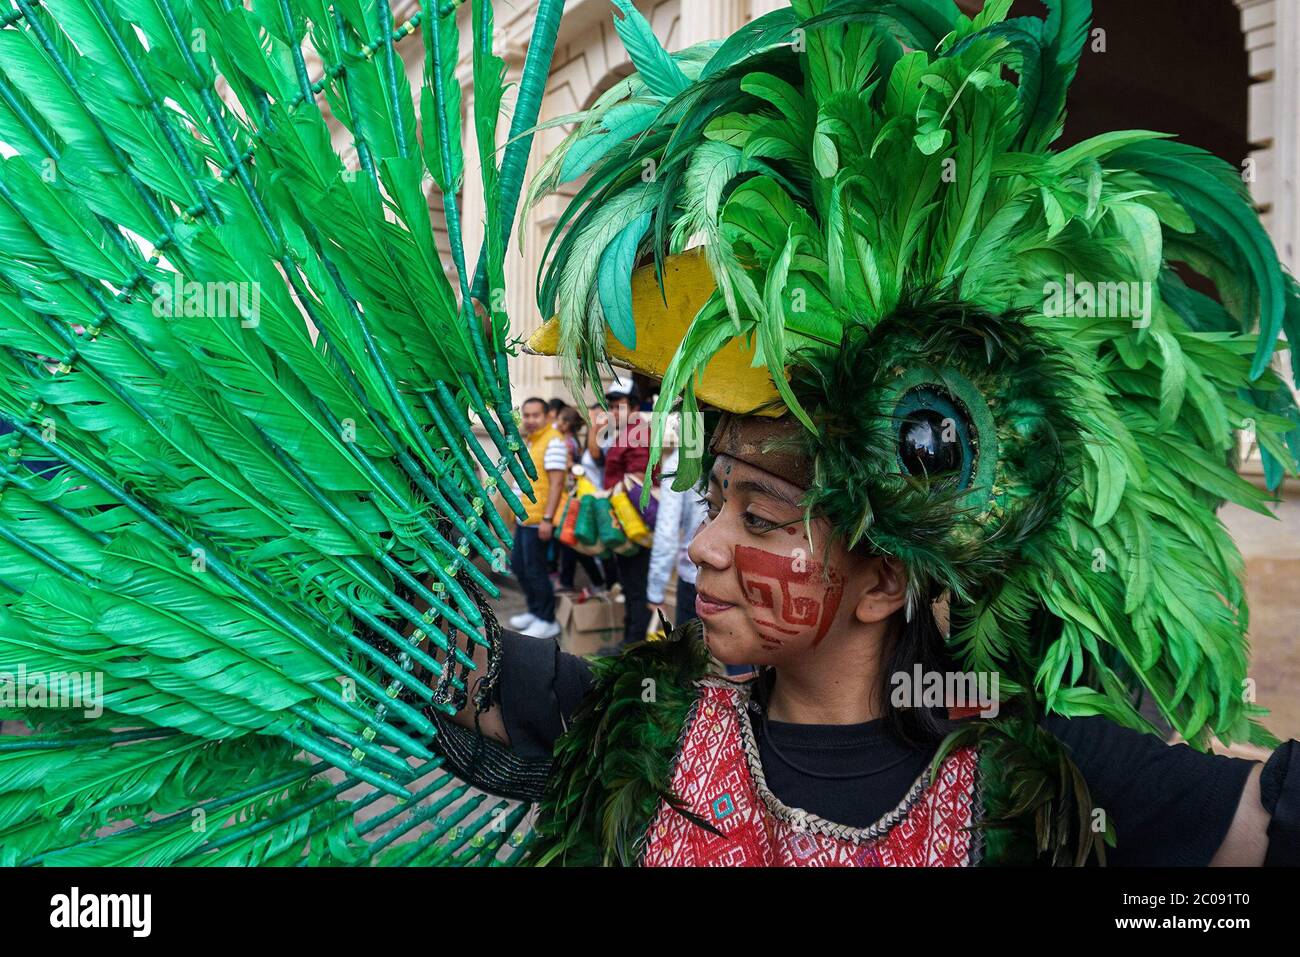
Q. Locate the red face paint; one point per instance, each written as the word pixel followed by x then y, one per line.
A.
pixel 786 601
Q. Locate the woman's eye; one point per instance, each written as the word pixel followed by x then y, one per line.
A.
pixel 757 523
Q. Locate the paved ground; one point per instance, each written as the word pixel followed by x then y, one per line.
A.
pixel 1272 552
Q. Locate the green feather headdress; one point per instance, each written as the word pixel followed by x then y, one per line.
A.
pixel 874 188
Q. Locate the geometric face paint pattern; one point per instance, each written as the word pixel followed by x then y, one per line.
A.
pixel 784 599
pixel 714 779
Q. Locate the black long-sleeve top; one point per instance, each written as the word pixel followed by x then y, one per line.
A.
pixel 1171 805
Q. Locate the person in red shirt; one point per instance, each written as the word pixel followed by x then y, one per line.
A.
pixel 620 441
pixel 629 452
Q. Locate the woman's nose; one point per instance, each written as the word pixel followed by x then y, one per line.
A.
pixel 711 546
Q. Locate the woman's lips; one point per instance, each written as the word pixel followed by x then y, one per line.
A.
pixel 706 605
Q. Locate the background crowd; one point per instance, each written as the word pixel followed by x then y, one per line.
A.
pixel 603 456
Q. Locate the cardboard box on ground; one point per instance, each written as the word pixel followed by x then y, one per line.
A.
pixel 588 626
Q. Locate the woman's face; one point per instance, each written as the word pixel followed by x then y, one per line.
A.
pixel 766 594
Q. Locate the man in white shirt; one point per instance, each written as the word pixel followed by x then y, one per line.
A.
pixel 679 517
pixel 534 532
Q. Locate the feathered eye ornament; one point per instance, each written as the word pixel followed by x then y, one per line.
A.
pixel 942 435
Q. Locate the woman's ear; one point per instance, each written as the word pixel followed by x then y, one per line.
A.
pixel 882 592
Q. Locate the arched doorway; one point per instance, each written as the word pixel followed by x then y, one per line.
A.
pixel 1163 65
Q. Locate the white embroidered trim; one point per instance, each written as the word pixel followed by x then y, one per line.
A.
pixel 799 819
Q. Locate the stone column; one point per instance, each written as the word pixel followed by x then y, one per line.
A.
pixel 1285 103
pixel 703 20
pixel 759 7
pixel 1272 38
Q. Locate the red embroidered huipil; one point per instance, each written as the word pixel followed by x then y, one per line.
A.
pixel 719 777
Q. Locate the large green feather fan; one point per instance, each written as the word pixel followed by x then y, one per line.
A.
pixel 241 486
pixel 874 185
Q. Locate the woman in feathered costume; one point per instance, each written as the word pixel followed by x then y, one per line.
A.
pixel 958 369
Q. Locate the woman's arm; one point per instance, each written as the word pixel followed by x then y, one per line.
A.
pixel 1169 804
pixel 1246 843
pixel 490 722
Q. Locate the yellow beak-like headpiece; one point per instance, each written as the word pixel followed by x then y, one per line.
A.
pixel 730 382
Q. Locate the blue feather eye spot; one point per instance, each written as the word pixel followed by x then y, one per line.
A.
pixel 935 437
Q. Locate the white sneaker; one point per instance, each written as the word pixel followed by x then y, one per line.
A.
pixel 523 622
pixel 542 629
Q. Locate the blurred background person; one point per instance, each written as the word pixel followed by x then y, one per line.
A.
pixel 680 516
pixel 569 423
pixel 593 449
pixel 554 408
pixel 623 451
pixel 533 533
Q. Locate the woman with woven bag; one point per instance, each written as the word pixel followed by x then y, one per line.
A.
pixel 569 423
pixel 625 461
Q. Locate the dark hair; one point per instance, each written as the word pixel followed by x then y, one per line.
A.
pixel 918 641
pixel 571 419
pixel 557 405
pixel 531 399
